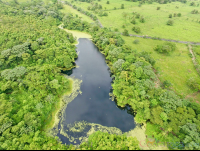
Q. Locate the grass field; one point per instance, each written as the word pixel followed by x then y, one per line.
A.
pixel 177 67
pixel 68 9
pixel 185 28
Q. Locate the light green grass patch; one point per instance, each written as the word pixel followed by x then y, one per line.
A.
pixel 177 67
pixel 68 9
pixel 78 34
pixel 185 28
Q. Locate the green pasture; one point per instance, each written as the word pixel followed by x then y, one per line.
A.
pixel 185 28
pixel 68 9
pixel 176 67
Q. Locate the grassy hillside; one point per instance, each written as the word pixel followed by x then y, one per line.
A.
pixel 185 28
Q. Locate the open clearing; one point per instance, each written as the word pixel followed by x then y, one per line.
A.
pixel 185 28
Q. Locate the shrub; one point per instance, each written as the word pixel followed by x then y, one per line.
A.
pixel 137 15
pixel 108 2
pixel 105 14
pixel 166 48
pixel 116 30
pixel 174 14
pixel 142 20
pixel 115 8
pixel 167 84
pixel 170 22
pixel 192 4
pixel 194 83
pixel 133 21
pixel 136 41
pixel 158 8
pixel 125 32
pixel 170 15
pixel 179 14
pixel 122 6
pixel 194 11
pixel 136 29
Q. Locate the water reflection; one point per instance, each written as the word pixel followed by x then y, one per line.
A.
pixel 94 104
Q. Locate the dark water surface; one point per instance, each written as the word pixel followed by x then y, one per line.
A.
pixel 94 104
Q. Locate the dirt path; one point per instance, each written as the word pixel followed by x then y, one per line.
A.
pixel 184 42
pixel 193 57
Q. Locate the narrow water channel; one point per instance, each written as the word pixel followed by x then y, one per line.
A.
pixel 94 104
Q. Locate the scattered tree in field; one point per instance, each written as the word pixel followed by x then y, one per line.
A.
pixel 133 21
pixel 108 2
pixel 125 32
pixel 136 41
pixel 192 4
pixel 167 84
pixel 165 48
pixel 122 6
pixel 142 20
pixel 158 8
pixel 195 11
pixel 194 83
pixel 115 8
pixel 170 22
pixel 137 15
pixel 136 29
pixel 174 14
pixel 125 15
pixel 170 15
pixel 179 14
pixel 116 29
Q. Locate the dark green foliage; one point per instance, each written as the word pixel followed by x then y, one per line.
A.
pixel 31 59
pixel 136 29
pixel 170 22
pixel 195 11
pixel 192 4
pixel 165 48
pixel 175 14
pixel 158 8
pixel 133 21
pixel 122 6
pixel 142 20
pixel 194 83
pixel 179 14
pixel 137 15
pixel 125 32
pixel 136 41
pixel 167 84
pixel 108 2
pixel 116 30
pixel 170 15
pixel 106 141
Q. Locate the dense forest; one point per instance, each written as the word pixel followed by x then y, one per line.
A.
pixel 33 51
pixel 31 59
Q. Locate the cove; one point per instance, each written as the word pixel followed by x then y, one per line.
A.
pixel 94 104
